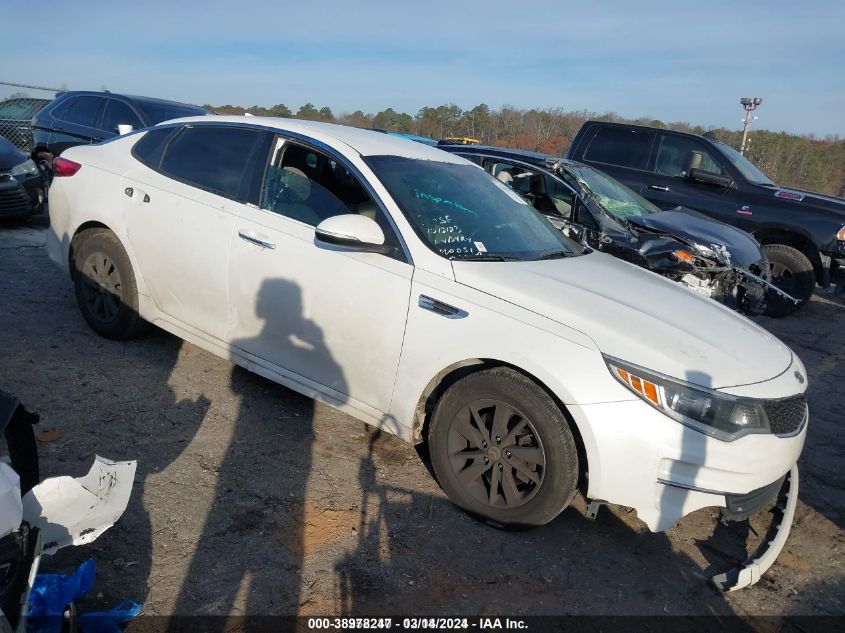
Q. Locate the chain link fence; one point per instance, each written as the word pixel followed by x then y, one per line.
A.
pixel 18 104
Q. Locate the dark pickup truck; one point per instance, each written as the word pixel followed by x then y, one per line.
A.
pixel 802 233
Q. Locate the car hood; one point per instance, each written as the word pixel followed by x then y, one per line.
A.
pixel 692 226
pixel 637 316
pixel 10 156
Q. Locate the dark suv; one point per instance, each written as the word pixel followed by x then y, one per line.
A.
pixel 79 118
pixel 802 233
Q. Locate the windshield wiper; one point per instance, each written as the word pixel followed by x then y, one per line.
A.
pixel 486 258
pixel 554 255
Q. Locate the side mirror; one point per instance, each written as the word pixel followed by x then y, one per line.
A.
pixel 124 129
pixel 352 231
pixel 702 175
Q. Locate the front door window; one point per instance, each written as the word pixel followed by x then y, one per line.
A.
pixel 676 155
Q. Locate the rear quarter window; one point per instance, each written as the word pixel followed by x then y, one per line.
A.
pixel 150 148
pixel 84 111
pixel 620 146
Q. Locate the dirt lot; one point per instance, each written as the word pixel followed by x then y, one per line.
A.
pixel 252 499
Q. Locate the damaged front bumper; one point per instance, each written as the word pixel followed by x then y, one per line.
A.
pixel 773 542
pixel 738 288
pixel 56 513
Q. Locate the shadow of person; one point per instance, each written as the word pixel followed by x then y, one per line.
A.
pixel 414 548
pixel 258 504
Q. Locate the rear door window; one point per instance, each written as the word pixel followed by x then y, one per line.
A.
pixel 211 158
pixel 84 111
pixel 625 147
pixel 119 113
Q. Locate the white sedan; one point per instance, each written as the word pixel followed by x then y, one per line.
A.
pixel 410 289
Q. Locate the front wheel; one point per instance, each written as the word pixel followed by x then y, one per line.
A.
pixel 793 273
pixel 502 449
pixel 105 285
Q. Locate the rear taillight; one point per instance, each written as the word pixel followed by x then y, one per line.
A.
pixel 64 167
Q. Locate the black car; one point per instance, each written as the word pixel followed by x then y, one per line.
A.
pixel 16 120
pixel 711 258
pixel 802 233
pixel 80 118
pixel 21 183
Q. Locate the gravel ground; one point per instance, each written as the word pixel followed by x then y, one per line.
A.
pixel 251 499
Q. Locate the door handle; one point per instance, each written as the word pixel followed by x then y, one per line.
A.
pixel 254 240
pixel 658 188
pixel 443 309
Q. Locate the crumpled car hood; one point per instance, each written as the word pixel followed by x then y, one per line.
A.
pixel 696 227
pixel 637 316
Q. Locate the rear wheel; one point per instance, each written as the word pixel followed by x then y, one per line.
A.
pixel 502 449
pixel 793 273
pixel 105 285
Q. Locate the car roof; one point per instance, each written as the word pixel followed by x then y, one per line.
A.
pixel 651 128
pixel 526 156
pixel 95 93
pixel 365 142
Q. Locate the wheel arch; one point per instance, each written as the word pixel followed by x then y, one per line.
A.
pixel 448 376
pixel 77 237
pixel 796 240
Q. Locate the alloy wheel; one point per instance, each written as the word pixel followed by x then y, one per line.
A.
pixel 496 453
pixel 101 287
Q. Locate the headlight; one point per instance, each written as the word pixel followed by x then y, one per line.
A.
pixel 717 414
pixel 26 168
pixel 716 252
pixel 841 235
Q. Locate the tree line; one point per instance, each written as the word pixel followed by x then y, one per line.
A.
pixel 802 161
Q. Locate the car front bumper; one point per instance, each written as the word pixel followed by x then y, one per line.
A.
pixel 21 198
pixel 640 458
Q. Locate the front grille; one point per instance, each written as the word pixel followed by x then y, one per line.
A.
pixel 13 200
pixel 786 416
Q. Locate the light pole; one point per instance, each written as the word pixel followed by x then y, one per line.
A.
pixel 749 105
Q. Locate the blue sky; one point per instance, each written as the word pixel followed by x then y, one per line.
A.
pixel 676 61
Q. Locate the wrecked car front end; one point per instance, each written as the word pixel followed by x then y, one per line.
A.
pixel 709 257
pixel 712 259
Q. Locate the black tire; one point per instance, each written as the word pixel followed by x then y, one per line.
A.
pixel 106 290
pixel 793 273
pixel 468 470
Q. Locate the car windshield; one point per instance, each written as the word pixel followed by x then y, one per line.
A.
pixel 612 195
pixel 744 166
pixel 157 111
pixel 462 212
